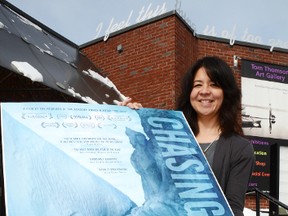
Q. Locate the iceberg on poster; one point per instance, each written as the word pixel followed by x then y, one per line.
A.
pixel 82 159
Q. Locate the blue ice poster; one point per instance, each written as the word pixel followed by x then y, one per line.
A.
pixel 73 159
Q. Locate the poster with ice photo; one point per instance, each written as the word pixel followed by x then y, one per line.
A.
pixel 77 159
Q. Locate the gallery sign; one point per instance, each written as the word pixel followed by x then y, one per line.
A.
pixel 265 71
pixel 264 114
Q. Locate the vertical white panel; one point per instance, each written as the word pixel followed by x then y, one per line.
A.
pixel 283 174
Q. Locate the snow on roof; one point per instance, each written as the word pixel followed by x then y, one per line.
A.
pixel 104 80
pixel 27 70
pixel 42 55
pixel 2 25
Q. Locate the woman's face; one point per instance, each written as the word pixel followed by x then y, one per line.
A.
pixel 206 97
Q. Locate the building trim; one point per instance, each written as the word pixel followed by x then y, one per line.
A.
pixel 198 36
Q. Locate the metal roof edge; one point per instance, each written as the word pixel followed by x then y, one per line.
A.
pixel 134 26
pixel 43 26
pixel 198 36
pixel 241 43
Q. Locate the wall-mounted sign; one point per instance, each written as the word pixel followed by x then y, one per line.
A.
pixel 264 113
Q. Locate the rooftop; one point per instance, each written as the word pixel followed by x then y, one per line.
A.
pixel 32 50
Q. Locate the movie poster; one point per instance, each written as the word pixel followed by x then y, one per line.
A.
pixel 81 159
pixel 264 114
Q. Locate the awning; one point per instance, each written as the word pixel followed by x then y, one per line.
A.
pixel 31 49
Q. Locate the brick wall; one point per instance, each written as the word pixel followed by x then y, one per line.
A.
pixel 149 68
pixel 156 54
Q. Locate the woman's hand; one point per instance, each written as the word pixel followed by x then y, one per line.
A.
pixel 128 102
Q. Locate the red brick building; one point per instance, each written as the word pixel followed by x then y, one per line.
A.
pixel 157 52
pixel 146 61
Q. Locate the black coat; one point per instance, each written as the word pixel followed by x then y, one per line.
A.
pixel 233 165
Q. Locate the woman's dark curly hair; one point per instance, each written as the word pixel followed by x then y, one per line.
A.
pixel 221 74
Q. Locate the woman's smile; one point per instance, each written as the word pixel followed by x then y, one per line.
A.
pixel 206 97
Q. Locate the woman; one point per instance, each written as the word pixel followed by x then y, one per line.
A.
pixel 211 101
